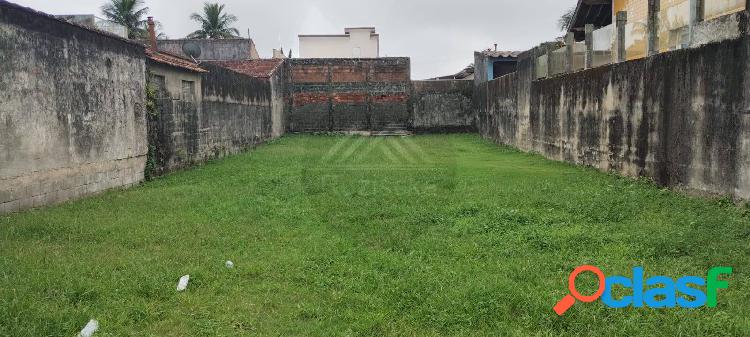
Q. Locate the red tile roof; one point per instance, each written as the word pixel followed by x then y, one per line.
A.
pixel 254 68
pixel 173 60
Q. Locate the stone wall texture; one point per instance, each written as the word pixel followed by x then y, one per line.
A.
pixel 72 118
pixel 348 94
pixel 442 106
pixel 680 118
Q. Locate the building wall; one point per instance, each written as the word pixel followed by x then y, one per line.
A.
pixel 213 50
pixel 72 119
pixel 348 94
pixel 358 43
pixel 674 22
pixel 233 112
pixel 279 109
pixel 442 106
pixel 173 131
pixel 678 118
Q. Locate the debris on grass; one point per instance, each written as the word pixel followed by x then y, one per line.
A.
pixel 89 329
pixel 229 264
pixel 182 285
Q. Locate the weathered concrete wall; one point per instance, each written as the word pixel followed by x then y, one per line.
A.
pixel 213 50
pixel 348 94
pixel 680 118
pixel 442 106
pixel 279 99
pixel 234 113
pixel 72 115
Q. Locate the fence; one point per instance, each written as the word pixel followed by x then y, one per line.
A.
pixel 641 30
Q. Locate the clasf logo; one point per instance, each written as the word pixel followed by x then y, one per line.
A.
pixel 661 292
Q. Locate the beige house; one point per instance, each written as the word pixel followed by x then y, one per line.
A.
pixel 361 42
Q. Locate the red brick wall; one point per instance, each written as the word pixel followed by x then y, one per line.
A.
pixel 348 94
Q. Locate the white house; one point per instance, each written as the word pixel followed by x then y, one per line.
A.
pixel 361 42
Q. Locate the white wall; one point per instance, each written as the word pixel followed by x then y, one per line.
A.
pixel 358 43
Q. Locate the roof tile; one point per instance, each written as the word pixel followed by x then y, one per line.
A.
pixel 255 68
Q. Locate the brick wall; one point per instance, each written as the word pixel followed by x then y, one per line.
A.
pixel 348 94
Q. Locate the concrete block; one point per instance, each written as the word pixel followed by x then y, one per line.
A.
pixel 25 203
pixel 6 194
pixel 10 207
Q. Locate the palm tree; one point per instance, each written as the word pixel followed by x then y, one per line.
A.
pixel 566 20
pixel 129 13
pixel 214 23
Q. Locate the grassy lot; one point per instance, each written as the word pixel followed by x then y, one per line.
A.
pixel 340 236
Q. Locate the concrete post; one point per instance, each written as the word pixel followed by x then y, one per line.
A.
pixel 654 6
pixel 548 48
pixel 622 20
pixel 589 61
pixel 696 16
pixel 570 44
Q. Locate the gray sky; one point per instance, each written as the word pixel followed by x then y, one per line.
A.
pixel 439 35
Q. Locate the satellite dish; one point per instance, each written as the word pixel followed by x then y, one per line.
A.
pixel 192 49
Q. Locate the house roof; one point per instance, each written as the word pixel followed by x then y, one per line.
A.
pixel 596 12
pixel 255 68
pixel 467 73
pixel 174 61
pixel 501 53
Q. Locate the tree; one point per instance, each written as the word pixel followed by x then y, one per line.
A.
pixel 129 13
pixel 566 20
pixel 215 24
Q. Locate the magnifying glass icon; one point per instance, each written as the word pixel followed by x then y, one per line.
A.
pixel 569 300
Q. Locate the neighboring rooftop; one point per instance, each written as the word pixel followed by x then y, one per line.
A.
pixel 466 74
pixel 173 60
pixel 254 68
pixel 501 53
pixel 347 32
pixel 595 12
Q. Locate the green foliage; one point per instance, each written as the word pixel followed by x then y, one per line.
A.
pixel 129 13
pixel 215 23
pixel 152 115
pixel 149 172
pixel 334 236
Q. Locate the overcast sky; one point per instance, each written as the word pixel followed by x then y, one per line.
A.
pixel 439 35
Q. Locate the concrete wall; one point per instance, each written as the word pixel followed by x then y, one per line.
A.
pixel 279 107
pixel 680 118
pixel 348 94
pixel 213 50
pixel 72 119
pixel 356 43
pixel 442 106
pixel 233 113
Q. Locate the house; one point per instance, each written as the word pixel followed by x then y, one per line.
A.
pixel 674 22
pixel 174 77
pixel 361 42
pixel 211 50
pixel 595 12
pixel 491 64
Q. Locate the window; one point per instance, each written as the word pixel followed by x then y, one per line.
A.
pixel 188 91
pixel 159 83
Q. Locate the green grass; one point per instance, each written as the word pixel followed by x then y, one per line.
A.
pixel 345 236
